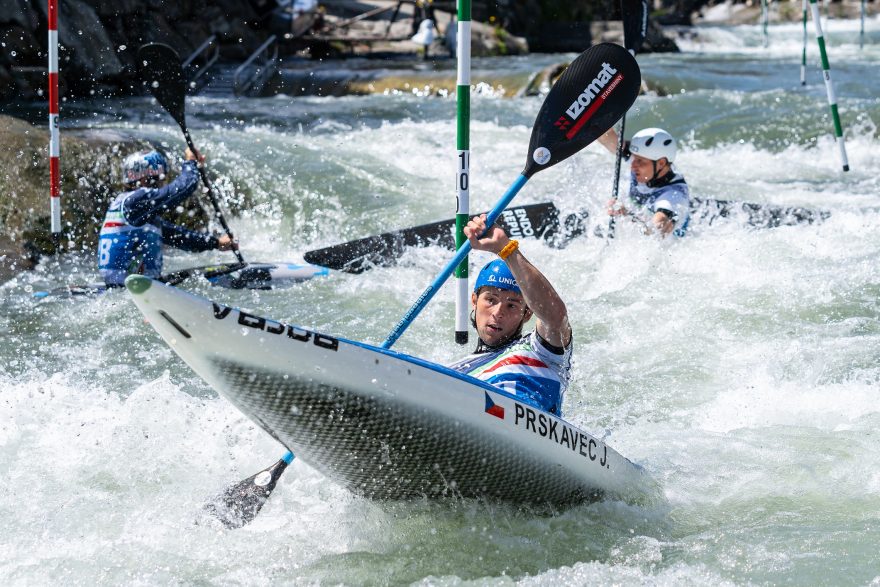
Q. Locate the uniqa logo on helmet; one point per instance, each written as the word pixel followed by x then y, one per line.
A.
pixel 591 91
pixel 496 274
pixel 500 279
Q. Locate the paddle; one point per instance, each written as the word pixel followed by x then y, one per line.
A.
pixel 356 256
pixel 239 504
pixel 173 278
pixel 208 271
pixel 587 99
pixel 634 18
pixel 163 74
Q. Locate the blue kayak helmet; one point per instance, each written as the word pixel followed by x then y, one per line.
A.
pixel 147 165
pixel 496 274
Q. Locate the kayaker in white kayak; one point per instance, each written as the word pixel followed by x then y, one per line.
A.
pixel 658 194
pixel 508 291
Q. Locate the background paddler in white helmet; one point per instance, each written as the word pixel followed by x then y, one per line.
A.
pixel 658 194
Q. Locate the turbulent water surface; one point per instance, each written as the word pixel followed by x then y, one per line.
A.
pixel 739 367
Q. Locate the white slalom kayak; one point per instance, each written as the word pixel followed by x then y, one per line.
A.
pixel 228 275
pixel 384 424
pixel 266 275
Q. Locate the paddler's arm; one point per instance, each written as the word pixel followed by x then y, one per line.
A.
pixel 673 204
pixel 663 221
pixel 194 241
pixel 609 140
pixel 538 293
pixel 142 205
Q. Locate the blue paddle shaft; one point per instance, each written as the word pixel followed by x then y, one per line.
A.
pixel 426 296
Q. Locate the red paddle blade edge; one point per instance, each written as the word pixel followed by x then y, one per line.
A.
pixel 587 99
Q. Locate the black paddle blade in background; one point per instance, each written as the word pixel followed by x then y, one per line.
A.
pixel 161 71
pixel 241 503
pixel 587 99
pixel 538 221
pixel 634 15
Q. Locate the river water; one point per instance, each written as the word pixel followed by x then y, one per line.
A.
pixel 738 367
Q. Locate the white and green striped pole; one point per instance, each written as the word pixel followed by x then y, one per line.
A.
pixel 804 52
pixel 829 86
pixel 463 164
pixel 862 28
pixel 765 20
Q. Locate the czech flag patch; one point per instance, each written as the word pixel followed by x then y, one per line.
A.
pixel 493 408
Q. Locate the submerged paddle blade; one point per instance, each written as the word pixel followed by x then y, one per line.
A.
pixel 634 15
pixel 160 68
pixel 587 99
pixel 240 503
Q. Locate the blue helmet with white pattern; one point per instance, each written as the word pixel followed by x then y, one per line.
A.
pixel 149 165
pixel 496 274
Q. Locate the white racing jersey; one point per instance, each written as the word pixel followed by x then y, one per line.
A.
pixel 525 367
pixel 673 196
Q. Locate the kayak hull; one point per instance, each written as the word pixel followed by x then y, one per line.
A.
pixel 384 424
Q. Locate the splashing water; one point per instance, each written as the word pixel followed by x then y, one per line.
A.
pixel 738 366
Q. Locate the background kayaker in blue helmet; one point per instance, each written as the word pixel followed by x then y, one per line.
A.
pixel 133 232
pixel 508 291
pixel 658 193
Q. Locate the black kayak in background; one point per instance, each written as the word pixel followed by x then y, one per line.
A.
pixel 539 221
pixel 533 221
pixel 709 211
pixel 545 222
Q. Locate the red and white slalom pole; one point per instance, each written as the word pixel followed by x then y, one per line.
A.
pixel 54 131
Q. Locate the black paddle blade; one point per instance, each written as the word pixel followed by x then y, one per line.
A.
pixel 587 99
pixel 240 503
pixel 160 68
pixel 538 221
pixel 634 15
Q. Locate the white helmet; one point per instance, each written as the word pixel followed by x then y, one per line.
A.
pixel 653 144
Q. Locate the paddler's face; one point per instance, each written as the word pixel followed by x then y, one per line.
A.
pixel 498 313
pixel 644 168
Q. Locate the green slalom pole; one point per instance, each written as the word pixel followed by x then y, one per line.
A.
pixel 862 28
pixel 804 52
pixel 829 86
pixel 765 20
pixel 463 164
